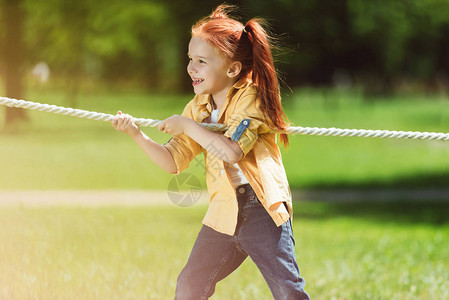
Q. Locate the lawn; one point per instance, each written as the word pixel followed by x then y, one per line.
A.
pixel 60 152
pixel 345 251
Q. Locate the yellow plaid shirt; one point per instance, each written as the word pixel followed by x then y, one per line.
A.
pixel 261 164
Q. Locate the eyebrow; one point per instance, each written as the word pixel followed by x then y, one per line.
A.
pixel 199 56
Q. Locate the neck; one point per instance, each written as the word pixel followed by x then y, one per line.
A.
pixel 219 99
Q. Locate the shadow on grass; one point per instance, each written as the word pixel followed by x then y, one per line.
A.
pixel 412 181
pixel 430 212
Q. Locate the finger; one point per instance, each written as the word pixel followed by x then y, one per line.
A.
pixel 117 117
pixel 128 121
pixel 125 121
pixel 120 121
pixel 115 122
pixel 161 126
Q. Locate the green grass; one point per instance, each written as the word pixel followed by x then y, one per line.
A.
pixel 59 152
pixel 345 251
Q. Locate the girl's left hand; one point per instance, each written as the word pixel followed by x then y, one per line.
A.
pixel 174 125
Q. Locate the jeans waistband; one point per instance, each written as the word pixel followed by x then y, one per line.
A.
pixel 243 189
pixel 245 193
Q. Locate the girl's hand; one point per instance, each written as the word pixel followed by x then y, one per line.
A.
pixel 124 123
pixel 175 125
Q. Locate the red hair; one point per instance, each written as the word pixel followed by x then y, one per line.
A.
pixel 250 45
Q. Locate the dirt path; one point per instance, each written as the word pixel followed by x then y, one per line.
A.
pixel 90 198
pixel 142 197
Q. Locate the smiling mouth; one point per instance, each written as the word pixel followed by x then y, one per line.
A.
pixel 197 81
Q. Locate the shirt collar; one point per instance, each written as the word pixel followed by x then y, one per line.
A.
pixel 241 83
pixel 207 99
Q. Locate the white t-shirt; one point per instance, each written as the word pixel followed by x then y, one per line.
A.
pixel 234 170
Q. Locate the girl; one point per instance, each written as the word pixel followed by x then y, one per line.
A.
pixel 250 207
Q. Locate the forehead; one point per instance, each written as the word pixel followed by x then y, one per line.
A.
pixel 199 47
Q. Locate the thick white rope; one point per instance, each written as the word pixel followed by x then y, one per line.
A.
pixel 221 127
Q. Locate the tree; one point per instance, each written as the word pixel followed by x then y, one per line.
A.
pixel 13 55
pixel 108 39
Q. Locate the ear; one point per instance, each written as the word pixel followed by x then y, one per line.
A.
pixel 234 69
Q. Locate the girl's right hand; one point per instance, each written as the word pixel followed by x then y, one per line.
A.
pixel 124 123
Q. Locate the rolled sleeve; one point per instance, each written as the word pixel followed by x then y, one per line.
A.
pixel 183 148
pixel 240 131
pixel 246 123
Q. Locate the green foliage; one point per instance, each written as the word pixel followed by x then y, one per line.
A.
pixel 374 42
pixel 122 29
pixel 390 28
pixel 126 36
pixel 105 39
pixel 387 26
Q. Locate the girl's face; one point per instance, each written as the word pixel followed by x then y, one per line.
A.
pixel 208 69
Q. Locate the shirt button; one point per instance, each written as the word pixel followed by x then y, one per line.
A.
pixel 241 190
pixel 204 113
pixel 221 172
pixel 245 122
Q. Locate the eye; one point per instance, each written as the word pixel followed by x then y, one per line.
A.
pixel 202 61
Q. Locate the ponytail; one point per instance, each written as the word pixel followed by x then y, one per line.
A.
pixel 265 77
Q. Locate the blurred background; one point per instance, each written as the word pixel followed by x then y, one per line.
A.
pixel 71 224
pixel 351 63
pixel 380 46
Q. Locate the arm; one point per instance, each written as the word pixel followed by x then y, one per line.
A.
pixel 244 127
pixel 215 143
pixel 210 140
pixel 158 153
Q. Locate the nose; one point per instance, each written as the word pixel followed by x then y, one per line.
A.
pixel 190 68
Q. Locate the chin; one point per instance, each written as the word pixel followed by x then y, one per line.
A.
pixel 200 92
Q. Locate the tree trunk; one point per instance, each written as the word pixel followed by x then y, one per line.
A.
pixel 13 16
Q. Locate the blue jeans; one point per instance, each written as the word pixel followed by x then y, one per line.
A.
pixel 215 255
